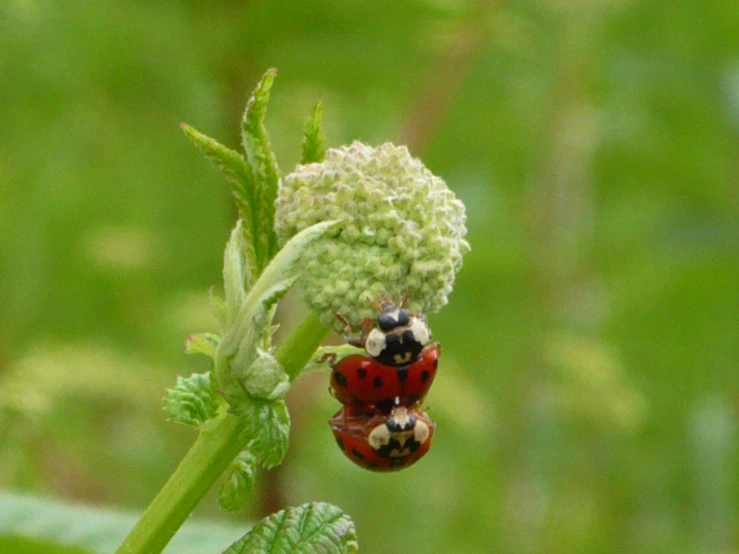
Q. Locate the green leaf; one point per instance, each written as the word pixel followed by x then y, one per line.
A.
pixel 218 305
pixel 240 176
pixel 202 343
pixel 262 160
pixel 20 545
pixel 43 521
pixel 267 424
pixel 235 271
pixel 192 401
pixel 314 141
pixel 238 348
pixel 239 483
pixel 308 529
pixel 266 379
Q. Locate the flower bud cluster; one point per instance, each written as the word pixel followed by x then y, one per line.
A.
pixel 403 231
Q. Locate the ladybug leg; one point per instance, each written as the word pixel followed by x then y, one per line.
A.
pixel 367 325
pixel 404 298
pixel 344 322
pixel 329 357
pixel 359 343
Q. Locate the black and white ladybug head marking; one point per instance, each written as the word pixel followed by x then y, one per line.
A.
pixel 401 435
pixel 399 336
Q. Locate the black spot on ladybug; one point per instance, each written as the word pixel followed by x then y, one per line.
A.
pixel 425 375
pixel 361 373
pixel 385 405
pixel 377 382
pixel 357 454
pixel 340 443
pixel 386 450
pixel 403 374
pixel 340 378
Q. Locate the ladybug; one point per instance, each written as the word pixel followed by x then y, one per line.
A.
pixel 362 382
pixel 383 442
pixel 396 337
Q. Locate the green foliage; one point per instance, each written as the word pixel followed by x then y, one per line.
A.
pixel 307 529
pixel 314 141
pixel 240 175
pixel 193 400
pixel 239 484
pixel 246 337
pixel 247 373
pixel 202 343
pixel 267 427
pixel 262 160
pixel 253 180
pixel 31 524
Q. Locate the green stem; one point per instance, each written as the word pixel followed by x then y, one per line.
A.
pixel 219 442
pixel 297 350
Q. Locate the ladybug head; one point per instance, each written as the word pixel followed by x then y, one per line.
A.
pixel 401 435
pixel 391 316
pixel 399 337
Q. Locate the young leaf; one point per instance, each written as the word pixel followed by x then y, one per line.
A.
pixel 240 176
pixel 266 379
pixel 202 343
pixel 192 401
pixel 262 160
pixel 96 530
pixel 235 271
pixel 239 483
pixel 237 350
pixel 307 529
pixel 314 141
pixel 268 425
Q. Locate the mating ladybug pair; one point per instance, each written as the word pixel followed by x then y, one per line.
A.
pixel 381 426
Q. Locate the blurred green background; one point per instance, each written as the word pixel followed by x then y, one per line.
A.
pixel 588 398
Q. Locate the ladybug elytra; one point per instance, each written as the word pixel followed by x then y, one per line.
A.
pixel 365 383
pixel 383 442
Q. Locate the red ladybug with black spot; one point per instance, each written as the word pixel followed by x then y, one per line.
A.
pixel 365 384
pixel 383 442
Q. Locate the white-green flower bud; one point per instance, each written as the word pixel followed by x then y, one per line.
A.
pixel 404 231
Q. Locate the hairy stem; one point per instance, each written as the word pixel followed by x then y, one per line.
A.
pixel 218 443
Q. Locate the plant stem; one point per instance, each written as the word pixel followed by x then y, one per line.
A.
pixel 219 442
pixel 297 350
